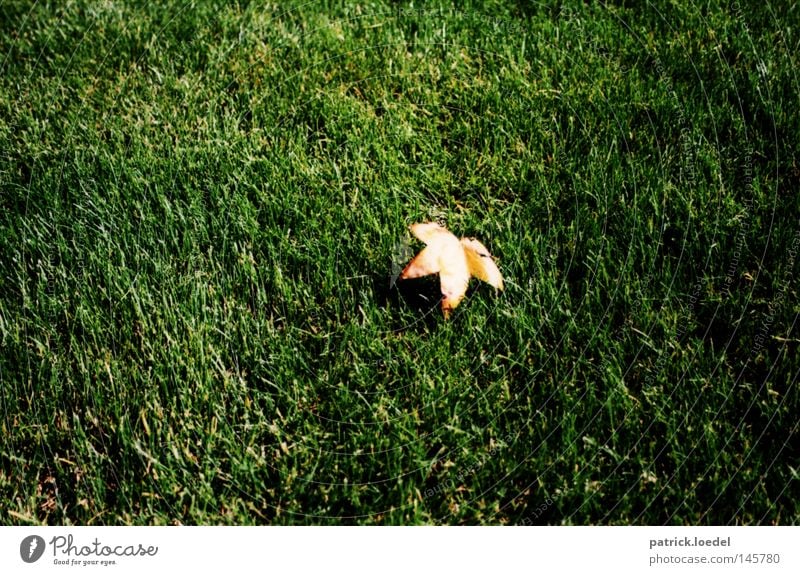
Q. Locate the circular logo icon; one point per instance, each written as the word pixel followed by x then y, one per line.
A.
pixel 31 548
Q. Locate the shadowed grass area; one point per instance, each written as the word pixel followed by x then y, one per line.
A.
pixel 202 206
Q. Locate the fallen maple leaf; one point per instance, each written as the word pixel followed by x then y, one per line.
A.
pixel 454 260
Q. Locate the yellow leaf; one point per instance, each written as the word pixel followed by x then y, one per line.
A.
pixel 454 260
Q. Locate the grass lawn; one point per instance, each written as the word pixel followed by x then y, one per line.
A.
pixel 203 206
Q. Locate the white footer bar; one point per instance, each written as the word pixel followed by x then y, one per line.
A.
pixel 370 550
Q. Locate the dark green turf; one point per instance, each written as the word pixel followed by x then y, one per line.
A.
pixel 203 205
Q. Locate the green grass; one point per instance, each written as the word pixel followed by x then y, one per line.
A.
pixel 202 204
